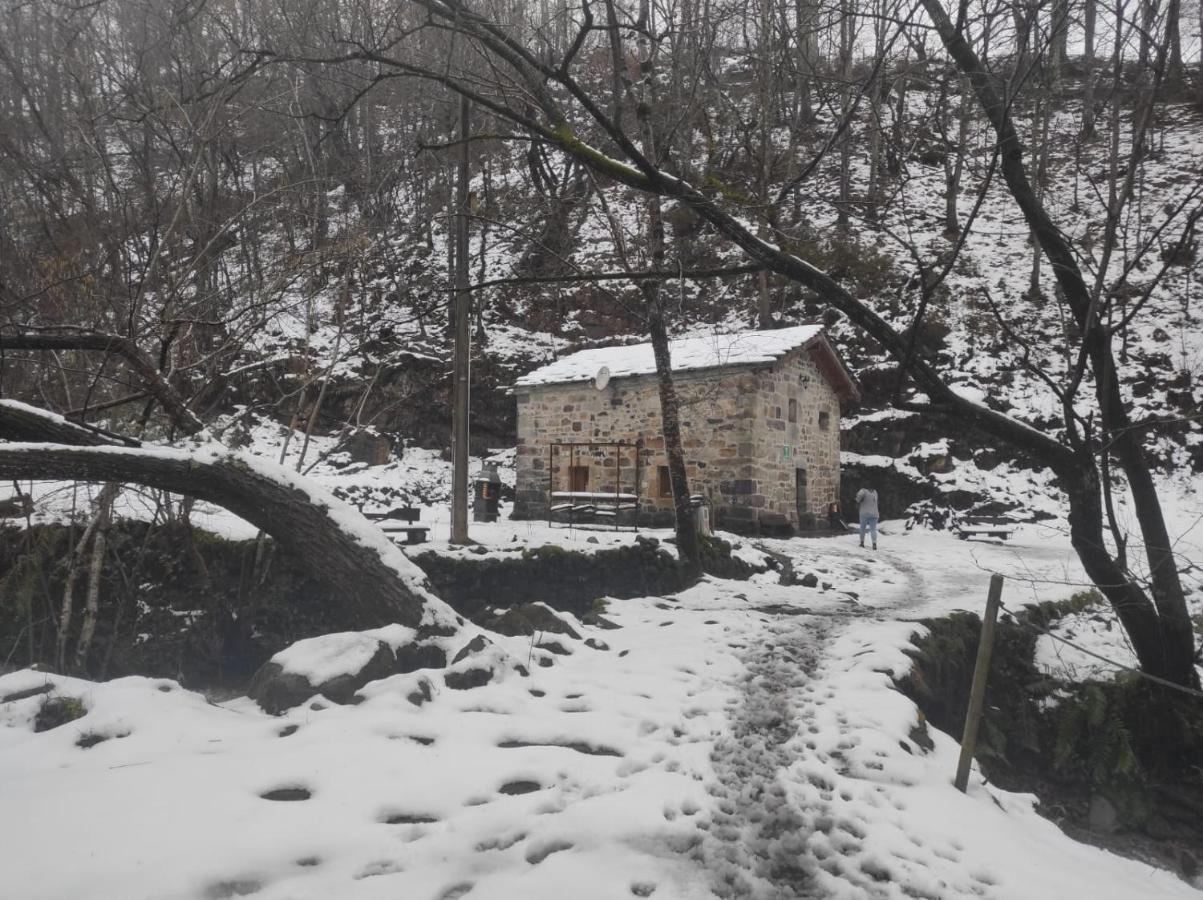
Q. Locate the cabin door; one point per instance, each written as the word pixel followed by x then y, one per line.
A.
pixel 800 495
pixel 578 479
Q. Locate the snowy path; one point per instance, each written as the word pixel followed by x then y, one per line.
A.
pixel 738 740
pixel 752 810
pixel 757 844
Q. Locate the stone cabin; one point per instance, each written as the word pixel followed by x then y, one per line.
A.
pixel 760 425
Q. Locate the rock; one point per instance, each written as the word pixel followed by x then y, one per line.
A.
pixel 514 788
pixel 276 690
pixel 476 645
pixel 435 629
pixel 342 688
pixel 90 739
pixel 421 694
pixel 366 446
pixel 56 711
pixel 920 735
pixel 596 644
pixel 528 619
pixel 554 647
pixel 288 794
pixel 1103 816
pixel 412 657
pixel 468 679
pixel 238 887
pixel 810 579
pixel 592 540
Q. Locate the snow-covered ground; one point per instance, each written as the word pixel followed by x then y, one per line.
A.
pixel 738 739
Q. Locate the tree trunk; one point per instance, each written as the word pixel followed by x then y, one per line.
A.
pixel 1175 74
pixel 845 61
pixel 1199 72
pixel 92 599
pixel 686 528
pixel 1090 16
pixel 955 168
pixel 1137 615
pixel 1058 33
pixel 687 536
pixel 340 548
pixel 804 26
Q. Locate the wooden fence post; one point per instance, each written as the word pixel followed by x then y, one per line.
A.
pixel 977 694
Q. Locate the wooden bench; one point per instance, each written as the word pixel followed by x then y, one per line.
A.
pixel 414 534
pixel 584 505
pixel 985 526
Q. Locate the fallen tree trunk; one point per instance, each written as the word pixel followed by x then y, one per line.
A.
pixel 21 422
pixel 341 548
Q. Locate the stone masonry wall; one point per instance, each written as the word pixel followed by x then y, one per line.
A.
pixel 716 412
pixel 733 441
pixel 784 446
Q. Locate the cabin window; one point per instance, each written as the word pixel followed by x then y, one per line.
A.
pixel 578 478
pixel 793 410
pixel 824 421
pixel 664 483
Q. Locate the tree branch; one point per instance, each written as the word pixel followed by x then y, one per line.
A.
pixel 183 417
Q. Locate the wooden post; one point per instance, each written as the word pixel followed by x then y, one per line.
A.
pixel 638 485
pixel 617 482
pixel 463 311
pixel 977 694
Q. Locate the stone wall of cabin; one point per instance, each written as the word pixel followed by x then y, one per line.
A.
pixel 716 429
pixel 802 437
pixel 731 435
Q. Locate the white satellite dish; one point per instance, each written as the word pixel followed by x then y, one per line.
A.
pixel 602 378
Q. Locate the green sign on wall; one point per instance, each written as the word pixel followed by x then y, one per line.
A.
pixel 787 451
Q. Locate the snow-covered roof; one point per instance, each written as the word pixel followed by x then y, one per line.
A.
pixel 710 351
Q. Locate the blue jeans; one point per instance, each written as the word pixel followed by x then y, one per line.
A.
pixel 869 522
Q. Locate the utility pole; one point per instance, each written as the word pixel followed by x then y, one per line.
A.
pixel 463 313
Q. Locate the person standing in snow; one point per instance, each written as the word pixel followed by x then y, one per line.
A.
pixel 866 501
